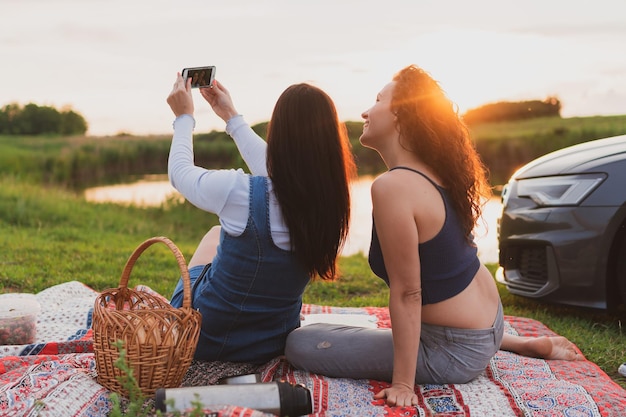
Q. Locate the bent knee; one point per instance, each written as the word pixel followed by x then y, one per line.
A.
pixel 298 345
pixel 306 345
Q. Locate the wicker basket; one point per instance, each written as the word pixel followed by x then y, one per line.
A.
pixel 159 340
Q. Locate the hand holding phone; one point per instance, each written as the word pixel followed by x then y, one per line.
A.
pixel 200 76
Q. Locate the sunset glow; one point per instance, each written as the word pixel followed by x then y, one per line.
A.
pixel 115 63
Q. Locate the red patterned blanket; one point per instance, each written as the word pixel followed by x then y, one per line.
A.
pixel 56 375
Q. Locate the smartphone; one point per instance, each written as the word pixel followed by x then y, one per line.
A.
pixel 200 76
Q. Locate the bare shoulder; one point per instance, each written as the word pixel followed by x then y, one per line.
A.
pixel 382 181
pixel 402 191
pixel 402 183
pixel 387 185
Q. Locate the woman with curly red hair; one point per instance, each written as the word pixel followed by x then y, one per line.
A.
pixel 446 314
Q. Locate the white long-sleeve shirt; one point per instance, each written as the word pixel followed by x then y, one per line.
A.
pixel 225 192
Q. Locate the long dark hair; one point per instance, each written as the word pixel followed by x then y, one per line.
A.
pixel 310 163
pixel 430 126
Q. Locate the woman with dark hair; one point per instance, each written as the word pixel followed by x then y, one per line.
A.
pixel 446 314
pixel 280 226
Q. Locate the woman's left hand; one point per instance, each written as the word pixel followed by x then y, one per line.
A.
pixel 180 99
pixel 398 395
pixel 219 98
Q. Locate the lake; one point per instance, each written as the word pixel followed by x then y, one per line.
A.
pixel 153 191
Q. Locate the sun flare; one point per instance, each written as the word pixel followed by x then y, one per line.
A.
pixel 480 67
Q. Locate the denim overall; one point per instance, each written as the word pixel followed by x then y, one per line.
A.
pixel 251 294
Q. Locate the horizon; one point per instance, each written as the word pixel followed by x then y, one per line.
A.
pixel 115 64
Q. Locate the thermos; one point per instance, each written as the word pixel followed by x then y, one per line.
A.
pixel 279 398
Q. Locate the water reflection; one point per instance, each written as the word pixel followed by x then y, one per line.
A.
pixel 144 193
pixel 155 191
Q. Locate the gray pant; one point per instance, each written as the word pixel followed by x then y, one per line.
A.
pixel 446 355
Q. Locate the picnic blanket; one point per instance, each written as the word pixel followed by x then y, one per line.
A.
pixel 56 375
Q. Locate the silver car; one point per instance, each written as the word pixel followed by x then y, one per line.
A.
pixel 562 233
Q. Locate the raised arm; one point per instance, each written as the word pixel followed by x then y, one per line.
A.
pixel 206 189
pixel 251 146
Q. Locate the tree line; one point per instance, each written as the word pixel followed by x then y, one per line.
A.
pixel 505 111
pixel 32 119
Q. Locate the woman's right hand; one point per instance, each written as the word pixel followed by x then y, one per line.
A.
pixel 180 99
pixel 219 98
pixel 398 395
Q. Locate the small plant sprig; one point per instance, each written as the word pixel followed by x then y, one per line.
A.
pixel 136 405
pixel 136 399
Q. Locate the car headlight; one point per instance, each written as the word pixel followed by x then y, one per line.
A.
pixel 565 190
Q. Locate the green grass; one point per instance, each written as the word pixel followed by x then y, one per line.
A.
pixel 597 126
pixel 49 236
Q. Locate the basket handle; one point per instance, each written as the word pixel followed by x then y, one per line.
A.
pixel 179 258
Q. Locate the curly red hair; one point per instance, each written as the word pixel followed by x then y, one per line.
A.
pixel 430 126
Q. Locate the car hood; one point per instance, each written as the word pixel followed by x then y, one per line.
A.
pixel 567 159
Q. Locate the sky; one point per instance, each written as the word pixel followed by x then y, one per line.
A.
pixel 115 61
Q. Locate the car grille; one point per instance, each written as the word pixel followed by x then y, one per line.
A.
pixel 530 265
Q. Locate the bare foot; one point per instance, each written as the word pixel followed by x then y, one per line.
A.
pixel 563 349
pixel 551 347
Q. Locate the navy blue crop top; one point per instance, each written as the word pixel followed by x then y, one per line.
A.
pixel 448 261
